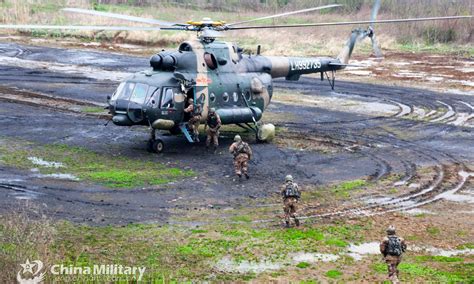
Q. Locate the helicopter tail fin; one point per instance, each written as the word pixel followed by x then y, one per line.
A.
pixel 346 52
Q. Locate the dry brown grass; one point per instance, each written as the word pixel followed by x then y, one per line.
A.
pixel 24 234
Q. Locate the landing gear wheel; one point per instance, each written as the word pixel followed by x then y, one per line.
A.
pixel 158 146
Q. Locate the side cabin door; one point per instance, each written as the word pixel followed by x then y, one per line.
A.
pixel 172 103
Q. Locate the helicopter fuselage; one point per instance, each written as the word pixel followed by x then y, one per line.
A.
pixel 216 75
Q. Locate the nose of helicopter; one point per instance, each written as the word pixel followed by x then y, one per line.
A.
pixel 127 106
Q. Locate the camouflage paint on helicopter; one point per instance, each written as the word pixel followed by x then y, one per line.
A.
pixel 215 74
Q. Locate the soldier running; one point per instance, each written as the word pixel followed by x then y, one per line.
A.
pixel 195 119
pixel 290 194
pixel 392 248
pixel 242 154
pixel 213 124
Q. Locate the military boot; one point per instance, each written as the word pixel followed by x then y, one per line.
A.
pixel 247 176
pixel 287 224
pixel 297 222
pixel 215 149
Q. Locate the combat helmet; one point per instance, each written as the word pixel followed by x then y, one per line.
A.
pixel 391 230
pixel 237 138
pixel 288 178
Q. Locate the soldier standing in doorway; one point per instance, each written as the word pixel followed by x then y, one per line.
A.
pixel 195 120
pixel 392 247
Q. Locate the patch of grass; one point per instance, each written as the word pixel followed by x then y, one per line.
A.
pixel 303 265
pixel 92 109
pixel 438 258
pixel 110 171
pixel 333 274
pixel 433 230
pixel 336 242
pixel 242 218
pixel 413 271
pixel 466 246
pixel 343 190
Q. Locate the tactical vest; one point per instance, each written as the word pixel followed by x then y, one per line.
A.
pixel 212 121
pixel 394 246
pixel 291 190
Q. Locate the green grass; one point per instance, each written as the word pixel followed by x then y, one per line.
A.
pixel 333 274
pixel 466 246
pixel 437 258
pixel 433 230
pixel 303 265
pixel 344 189
pixel 93 109
pixel 106 170
pixel 180 253
pixel 412 271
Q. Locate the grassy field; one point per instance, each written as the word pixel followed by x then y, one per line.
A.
pixel 109 171
pixel 215 252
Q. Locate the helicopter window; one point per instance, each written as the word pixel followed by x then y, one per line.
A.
pixel 212 97
pixel 210 60
pixel 235 97
pixel 139 93
pixel 126 92
pixel 167 99
pixel 117 92
pixel 225 97
pixel 153 96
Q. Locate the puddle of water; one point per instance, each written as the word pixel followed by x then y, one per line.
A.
pixel 40 162
pixel 357 252
pixel 227 264
pixel 417 211
pixel 459 197
pixel 441 252
pixel 59 176
pixel 89 72
pixel 314 257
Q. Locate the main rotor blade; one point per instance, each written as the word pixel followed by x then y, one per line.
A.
pixel 100 28
pixel 286 14
pixel 119 16
pixel 351 23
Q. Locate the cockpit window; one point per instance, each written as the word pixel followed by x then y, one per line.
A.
pixel 118 91
pixel 139 93
pixel 167 99
pixel 126 92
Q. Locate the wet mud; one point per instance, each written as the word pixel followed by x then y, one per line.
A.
pixel 424 138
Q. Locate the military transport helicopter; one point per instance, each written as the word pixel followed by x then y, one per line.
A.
pixel 216 74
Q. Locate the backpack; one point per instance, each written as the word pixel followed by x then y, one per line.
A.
pixel 291 190
pixel 241 148
pixel 394 246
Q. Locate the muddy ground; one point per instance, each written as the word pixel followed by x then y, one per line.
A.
pixel 367 131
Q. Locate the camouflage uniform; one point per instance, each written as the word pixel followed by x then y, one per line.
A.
pixel 290 203
pixel 392 260
pixel 242 157
pixel 213 124
pixel 194 121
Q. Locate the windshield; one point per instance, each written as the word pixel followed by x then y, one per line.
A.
pixel 117 92
pixel 139 93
